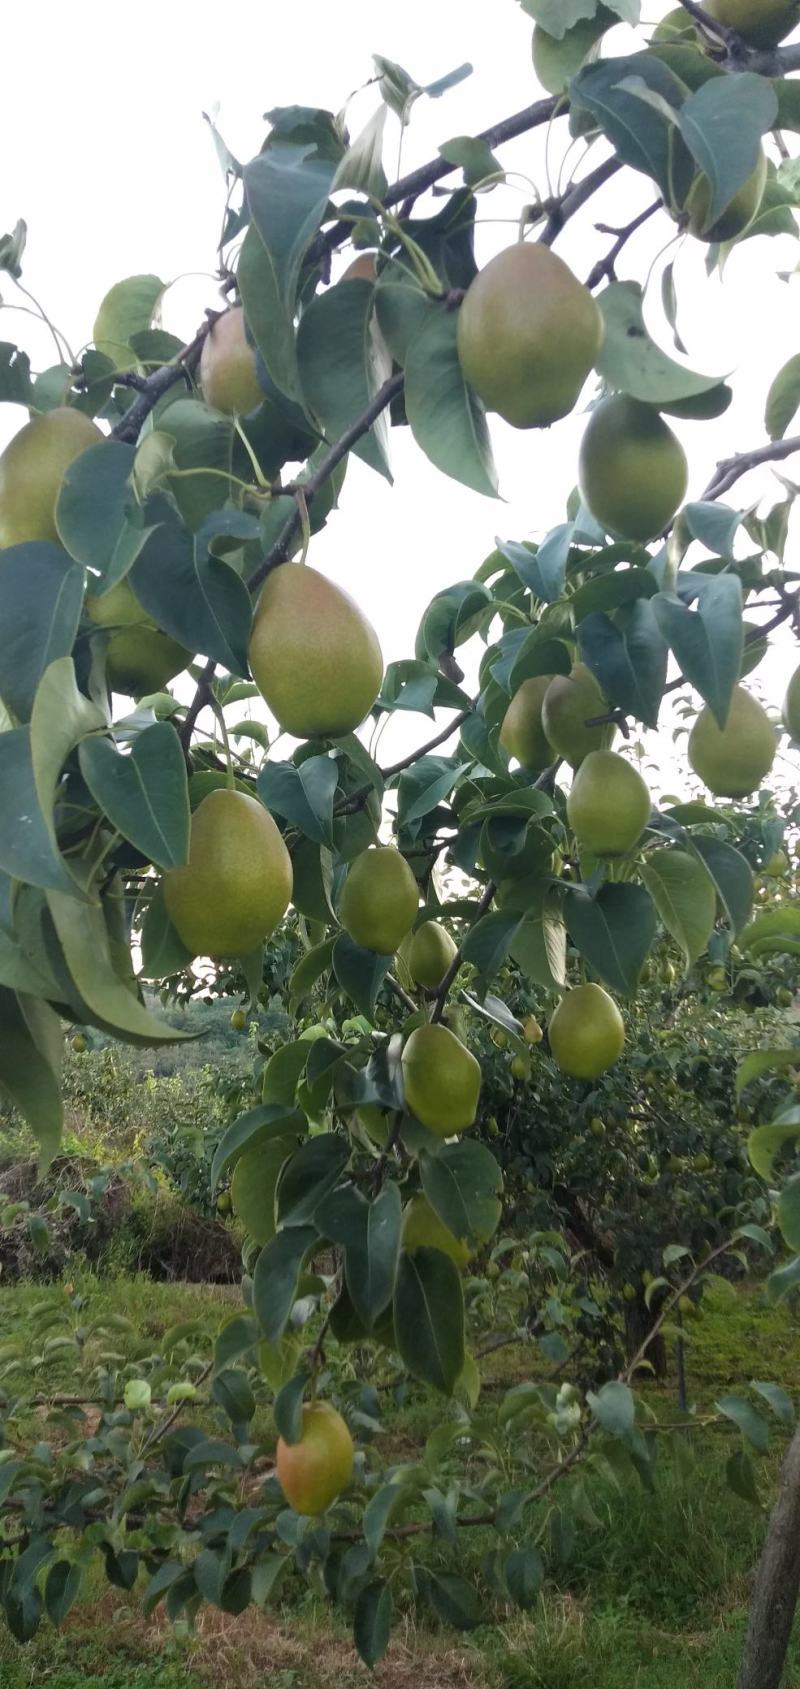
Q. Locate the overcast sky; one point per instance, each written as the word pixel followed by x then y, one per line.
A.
pixel 107 158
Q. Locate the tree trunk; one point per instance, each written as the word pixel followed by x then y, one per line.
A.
pixel 774 1598
pixel 639 1320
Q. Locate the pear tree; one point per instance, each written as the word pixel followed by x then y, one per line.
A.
pixel 158 512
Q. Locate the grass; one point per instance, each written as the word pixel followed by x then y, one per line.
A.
pixel 654 1595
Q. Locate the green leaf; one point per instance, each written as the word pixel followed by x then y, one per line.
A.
pixel 788 1213
pixel 371 1257
pixel 61 1590
pixel 257 1126
pixel 401 308
pixel 361 168
pixel 732 877
pixel 743 1414
pixel 41 595
pixel 86 943
pixel 487 943
pixel 722 124
pixel 425 785
pixel 429 1318
pixel 128 308
pixel 98 518
pixel 542 569
pixel 287 1408
pixel 453 1600
pixel 714 525
pixel 275 1278
pixel 614 931
pixel 15 375
pixel 231 1391
pixel 30 1067
pixel 190 436
pixel 359 972
pixel 463 1184
pixel 310 968
pixel 764 1061
pixel 781 1403
pixel 31 760
pixel 641 132
pixel 372 1622
pixel 284 1071
pixel 287 191
pixel 614 1408
pixel 741 1477
pixel 559 16
pixel 628 657
pixel 476 158
pixel 631 362
pixel 144 794
pixel 707 642
pixel 523 1572
pixel 783 399
pixel 200 601
pixel 302 796
pixel 540 946
pixel 685 897
pixel 163 952
pixel 774 931
pixel 447 420
pixel 342 365
pixel 312 1171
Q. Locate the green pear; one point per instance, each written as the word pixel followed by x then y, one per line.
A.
pixel 586 1032
pixel 608 806
pixel 428 954
pixel 237 883
pixel 379 900
pixel 737 215
pixel 633 470
pixel 761 23
pixel 313 1471
pixel 791 707
pixel 569 702
pixel 528 334
pixel 228 378
pixel 140 658
pixel 32 468
pixel 732 761
pixel 314 657
pixel 442 1080
pixel 522 733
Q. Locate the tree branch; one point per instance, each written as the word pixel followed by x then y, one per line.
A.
pixel 443 988
pixel 153 387
pixel 201 698
pixel 559 211
pixel 730 469
pixel 604 268
pixel 719 31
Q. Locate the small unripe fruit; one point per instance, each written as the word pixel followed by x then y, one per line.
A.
pixel 520 1068
pixel 430 952
pixel 761 23
pixel 586 1032
pixel 531 1030
pixel 702 1163
pixel 32 468
pixel 522 733
pixel 597 1128
pixel 228 378
pixel 608 806
pixel 313 655
pixel 737 216
pixel 379 900
pixel 238 1020
pixel 79 1043
pixel 776 865
pixel 629 1293
pixel 791 707
pixel 442 1080
pixel 569 702
pixel 237 883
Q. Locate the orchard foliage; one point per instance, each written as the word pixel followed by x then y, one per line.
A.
pixel 176 534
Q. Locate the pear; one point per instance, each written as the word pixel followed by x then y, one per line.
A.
pixel 522 733
pixel 442 1080
pixel 569 702
pixel 228 378
pixel 422 1229
pixel 791 707
pixel 608 806
pixel 733 760
pixel 528 335
pixel 32 468
pixel 379 900
pixel 314 657
pixel 761 23
pixel 737 215
pixel 313 1471
pixel 633 471
pixel 428 955
pixel 586 1032
pixel 237 883
pixel 139 658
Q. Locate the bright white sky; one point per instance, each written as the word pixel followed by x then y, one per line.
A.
pixel 110 163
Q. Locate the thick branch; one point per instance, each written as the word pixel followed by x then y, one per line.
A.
pixel 153 387
pixel 731 469
pixel 279 552
pixel 199 701
pixel 774 1598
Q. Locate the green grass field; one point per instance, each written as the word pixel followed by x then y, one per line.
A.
pixel 654 1596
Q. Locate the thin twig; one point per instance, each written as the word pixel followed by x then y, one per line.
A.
pixel 604 268
pixel 201 698
pixel 560 210
pixel 731 469
pixel 443 989
pixel 156 385
pixel 721 31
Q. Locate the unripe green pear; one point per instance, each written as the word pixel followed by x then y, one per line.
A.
pixel 379 900
pixel 237 883
pixel 608 806
pixel 32 468
pixel 442 1080
pixel 586 1032
pixel 238 1020
pixel 733 760
pixel 522 733
pixel 737 216
pixel 428 955
pixel 569 702
pixel 633 471
pixel 761 23
pixel 140 658
pixel 791 707
pixel 528 335
pixel 313 1471
pixel 422 1229
pixel 228 378
pixel 314 657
